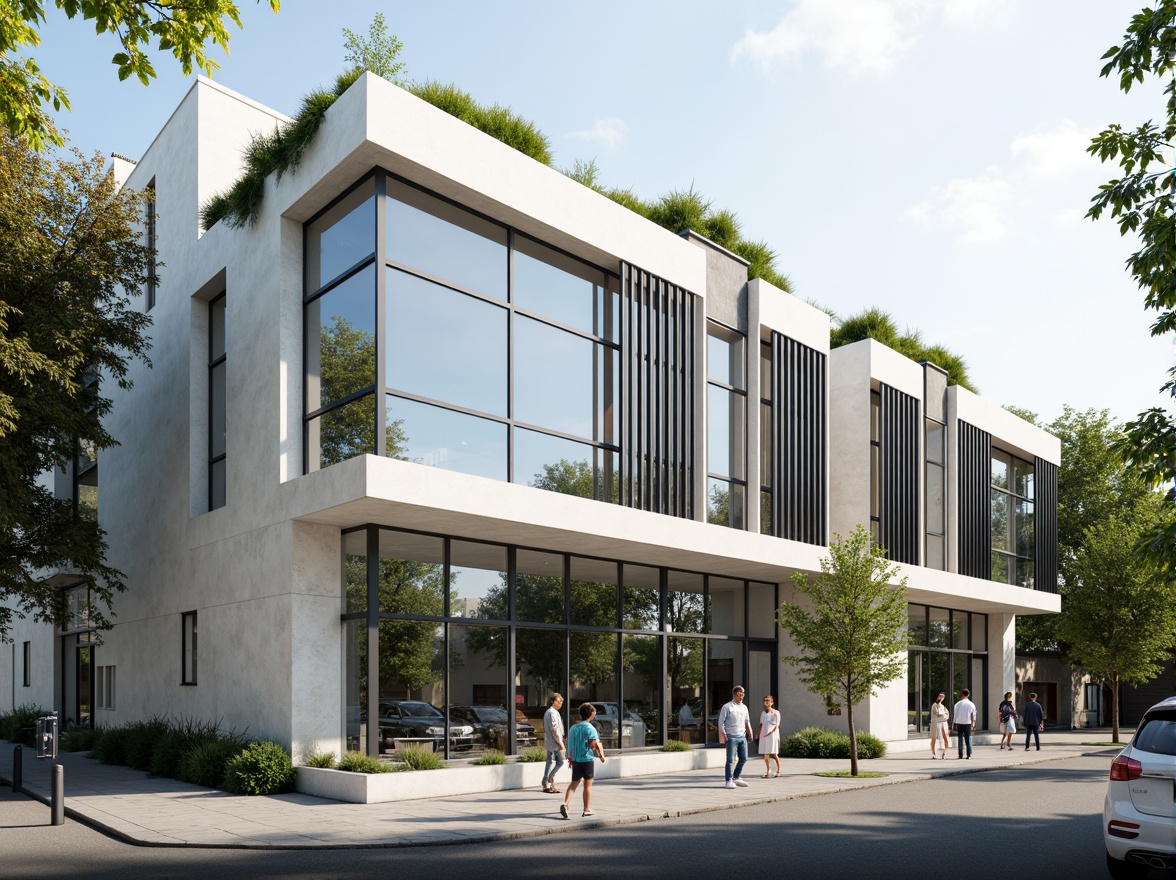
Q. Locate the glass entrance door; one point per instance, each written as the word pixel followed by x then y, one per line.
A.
pixel 84 690
pixel 761 668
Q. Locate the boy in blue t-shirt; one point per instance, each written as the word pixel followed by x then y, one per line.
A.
pixel 583 745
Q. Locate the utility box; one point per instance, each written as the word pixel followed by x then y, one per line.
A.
pixel 47 737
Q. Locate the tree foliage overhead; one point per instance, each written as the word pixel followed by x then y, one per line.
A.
pixel 1139 202
pixel 70 249
pixel 182 27
pixel 853 640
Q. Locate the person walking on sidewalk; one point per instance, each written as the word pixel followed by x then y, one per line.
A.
pixel 940 722
pixel 1008 720
pixel 583 746
pixel 1034 717
pixel 769 737
pixel 553 742
pixel 734 730
pixel 964 716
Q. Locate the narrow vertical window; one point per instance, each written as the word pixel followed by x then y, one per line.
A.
pixel 875 464
pixel 188 637
pixel 767 446
pixel 28 664
pixel 217 350
pixel 151 279
pixel 726 427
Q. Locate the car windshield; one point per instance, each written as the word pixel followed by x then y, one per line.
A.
pixel 489 713
pixel 1157 734
pixel 420 710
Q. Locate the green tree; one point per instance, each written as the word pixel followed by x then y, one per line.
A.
pixel 182 27
pixel 1094 485
pixel 1141 206
pixel 71 248
pixel 1119 613
pixel 853 640
pixel 379 52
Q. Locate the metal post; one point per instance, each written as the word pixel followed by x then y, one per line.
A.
pixel 57 799
pixel 18 769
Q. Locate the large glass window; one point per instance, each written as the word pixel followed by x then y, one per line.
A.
pixel 474 637
pixel 726 427
pixel 473 361
pixel 948 652
pixel 1013 539
pixel 936 515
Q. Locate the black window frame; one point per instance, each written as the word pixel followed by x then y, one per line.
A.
pixel 216 360
pixel 188 651
pixel 27 651
pixel 150 292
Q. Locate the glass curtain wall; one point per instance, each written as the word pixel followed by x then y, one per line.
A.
pixel 437 336
pixel 466 640
pixel 948 652
pixel 1013 536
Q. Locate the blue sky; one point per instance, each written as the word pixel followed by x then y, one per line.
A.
pixel 924 156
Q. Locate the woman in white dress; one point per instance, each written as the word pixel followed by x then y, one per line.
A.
pixel 939 726
pixel 769 737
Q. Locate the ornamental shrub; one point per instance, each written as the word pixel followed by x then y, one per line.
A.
pixel 140 740
pixel 181 738
pixel 80 739
pixel 110 745
pixel 533 755
pixel 205 764
pixel 491 757
pixel 323 760
pixel 261 768
pixel 418 758
pixel 358 762
pixel 819 742
pixel 675 745
pixel 20 724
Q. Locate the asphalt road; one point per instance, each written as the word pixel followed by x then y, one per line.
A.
pixel 1037 822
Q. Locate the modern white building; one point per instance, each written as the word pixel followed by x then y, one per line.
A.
pixel 444 426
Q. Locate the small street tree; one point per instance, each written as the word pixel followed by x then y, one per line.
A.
pixel 853 640
pixel 1119 613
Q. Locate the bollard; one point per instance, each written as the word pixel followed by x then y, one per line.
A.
pixel 18 769
pixel 57 791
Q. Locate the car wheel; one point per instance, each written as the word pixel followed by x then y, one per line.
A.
pixel 1122 870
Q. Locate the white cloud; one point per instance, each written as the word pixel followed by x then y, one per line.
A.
pixel 610 132
pixel 980 209
pixel 975 206
pixel 1055 151
pixel 861 36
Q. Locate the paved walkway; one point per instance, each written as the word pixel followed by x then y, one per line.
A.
pixel 163 812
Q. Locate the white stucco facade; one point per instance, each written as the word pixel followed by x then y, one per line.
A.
pixel 263 572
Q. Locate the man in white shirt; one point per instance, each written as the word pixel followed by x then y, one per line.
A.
pixel 553 742
pixel 734 729
pixel 964 717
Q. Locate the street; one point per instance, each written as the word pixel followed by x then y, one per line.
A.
pixel 1040 821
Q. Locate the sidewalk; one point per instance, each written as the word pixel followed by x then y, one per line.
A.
pixel 164 812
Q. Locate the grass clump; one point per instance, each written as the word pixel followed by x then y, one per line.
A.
pixel 419 758
pixel 110 745
pixel 322 760
pixel 260 768
pixel 533 755
pixel 20 725
pixel 358 762
pixel 182 738
pixel 206 764
pixel 675 745
pixel 140 739
pixel 81 739
pixel 491 757
pixel 819 742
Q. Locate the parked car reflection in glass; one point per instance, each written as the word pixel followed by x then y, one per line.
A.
pixel 615 732
pixel 489 726
pixel 413 719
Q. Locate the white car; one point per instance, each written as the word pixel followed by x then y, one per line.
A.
pixel 1139 815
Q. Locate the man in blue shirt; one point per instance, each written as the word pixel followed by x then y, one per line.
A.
pixel 1034 717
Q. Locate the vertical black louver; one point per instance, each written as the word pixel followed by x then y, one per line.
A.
pixel 657 395
pixel 898 431
pixel 974 519
pixel 1045 526
pixel 799 458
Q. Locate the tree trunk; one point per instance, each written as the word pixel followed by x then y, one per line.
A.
pixel 1115 709
pixel 853 764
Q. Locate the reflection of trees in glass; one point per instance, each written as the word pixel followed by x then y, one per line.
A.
pixel 719 505
pixel 409 650
pixel 540 598
pixel 567 478
pixel 347 358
